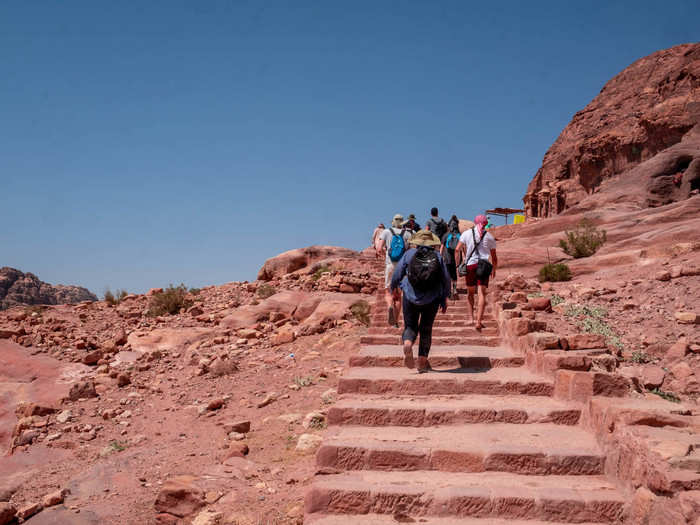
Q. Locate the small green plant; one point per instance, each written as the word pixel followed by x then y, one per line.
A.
pixel 640 357
pixel 668 396
pixel 303 381
pixel 535 294
pixel 555 272
pixel 195 291
pixel 113 299
pixel 584 241
pixel 556 299
pixel 317 422
pixel 360 310
pixel 169 302
pixel 591 319
pixel 118 446
pixel 320 271
pixel 266 290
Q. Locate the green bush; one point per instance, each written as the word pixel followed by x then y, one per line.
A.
pixel 169 301
pixel 320 271
pixel 555 272
pixel 584 241
pixel 114 299
pixel 360 310
pixel 266 290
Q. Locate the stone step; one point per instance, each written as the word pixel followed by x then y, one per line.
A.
pixel 421 412
pixel 536 449
pixel 403 381
pixel 564 499
pixel 465 331
pixel 395 339
pixel 455 356
pixel 379 519
pixel 444 320
pixel 380 314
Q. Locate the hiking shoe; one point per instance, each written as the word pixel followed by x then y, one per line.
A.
pixel 392 316
pixel 408 358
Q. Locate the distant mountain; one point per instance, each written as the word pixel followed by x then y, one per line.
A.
pixel 18 288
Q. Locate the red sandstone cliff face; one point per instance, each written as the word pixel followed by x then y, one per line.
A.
pixel 17 288
pixel 648 108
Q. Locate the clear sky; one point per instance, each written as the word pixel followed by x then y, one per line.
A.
pixel 150 142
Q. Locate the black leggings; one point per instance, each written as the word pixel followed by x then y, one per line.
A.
pixel 418 319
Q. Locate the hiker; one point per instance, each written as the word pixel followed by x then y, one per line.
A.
pixel 478 245
pixel 411 224
pixel 422 276
pixel 375 239
pixel 436 224
pixel 394 242
pixel 447 250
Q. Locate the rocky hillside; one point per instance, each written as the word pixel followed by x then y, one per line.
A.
pixel 644 121
pixel 18 288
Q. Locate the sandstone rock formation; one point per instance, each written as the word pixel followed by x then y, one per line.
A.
pixel 293 260
pixel 18 288
pixel 647 117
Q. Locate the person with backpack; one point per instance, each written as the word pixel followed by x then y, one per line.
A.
pixel 436 224
pixel 423 277
pixel 447 250
pixel 475 247
pixel 394 242
pixel 411 224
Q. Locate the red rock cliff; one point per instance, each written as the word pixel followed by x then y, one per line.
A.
pixel 647 108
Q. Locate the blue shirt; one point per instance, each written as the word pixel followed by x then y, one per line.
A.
pixel 400 279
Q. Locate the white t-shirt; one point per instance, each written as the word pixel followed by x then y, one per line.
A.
pixel 484 248
pixel 387 235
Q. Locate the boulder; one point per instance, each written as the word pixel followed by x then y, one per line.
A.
pixel 7 513
pixel 180 496
pixel 652 376
pixel 293 260
pixel 308 443
pixel 81 390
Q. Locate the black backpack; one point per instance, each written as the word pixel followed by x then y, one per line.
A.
pixel 438 226
pixel 424 269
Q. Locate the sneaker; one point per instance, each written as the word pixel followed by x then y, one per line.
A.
pixel 392 317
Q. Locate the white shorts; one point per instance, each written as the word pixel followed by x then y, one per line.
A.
pixel 388 271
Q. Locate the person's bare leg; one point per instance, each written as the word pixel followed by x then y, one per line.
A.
pixel 408 354
pixel 397 304
pixel 482 307
pixel 471 290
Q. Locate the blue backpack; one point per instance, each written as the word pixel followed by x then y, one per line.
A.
pixel 452 240
pixel 398 246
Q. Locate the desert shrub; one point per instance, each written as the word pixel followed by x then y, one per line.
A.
pixel 591 320
pixel 266 290
pixel 556 299
pixel 360 311
pixel 639 356
pixel 114 299
pixel 195 291
pixel 320 271
pixel 169 301
pixel 303 381
pixel 584 241
pixel 555 272
pixel 668 396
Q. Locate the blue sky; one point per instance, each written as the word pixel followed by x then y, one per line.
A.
pixel 144 143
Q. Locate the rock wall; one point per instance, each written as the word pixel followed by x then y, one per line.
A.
pixel 17 288
pixel 647 108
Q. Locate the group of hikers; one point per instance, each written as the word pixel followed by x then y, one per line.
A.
pixel 421 272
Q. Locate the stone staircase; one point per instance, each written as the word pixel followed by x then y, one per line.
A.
pixel 479 441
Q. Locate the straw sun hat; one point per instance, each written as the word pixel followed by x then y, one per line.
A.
pixel 425 238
